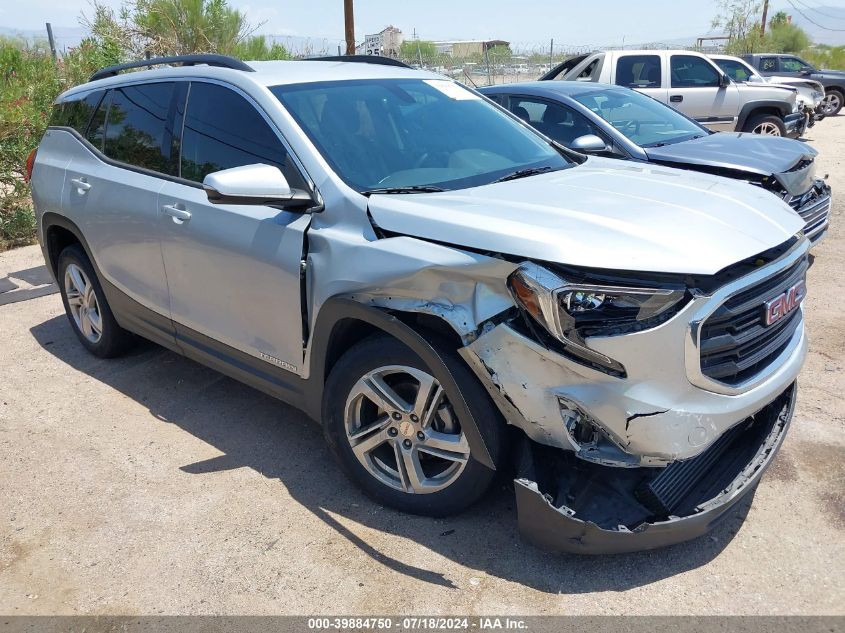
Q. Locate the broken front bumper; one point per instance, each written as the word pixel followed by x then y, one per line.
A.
pixel 568 505
pixel 795 124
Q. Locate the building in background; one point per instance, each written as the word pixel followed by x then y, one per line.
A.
pixel 386 43
pixel 468 48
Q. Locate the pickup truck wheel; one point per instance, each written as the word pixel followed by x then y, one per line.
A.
pixel 393 429
pixel 86 306
pixel 765 124
pixel 832 102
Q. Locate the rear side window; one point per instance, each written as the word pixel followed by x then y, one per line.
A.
pixel 136 126
pixel 77 111
pixel 769 64
pixel 639 71
pixel 689 71
pixel 223 130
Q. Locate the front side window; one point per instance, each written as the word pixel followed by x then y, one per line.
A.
pixel 397 133
pixel 689 71
pixel 638 71
pixel 223 130
pixel 793 65
pixel 769 64
pixel 556 121
pixel 734 69
pixel 135 126
pixel 645 121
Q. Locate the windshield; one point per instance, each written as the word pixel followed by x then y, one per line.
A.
pixel 646 122
pixel 405 133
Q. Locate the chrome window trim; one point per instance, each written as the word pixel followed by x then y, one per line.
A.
pixel 709 304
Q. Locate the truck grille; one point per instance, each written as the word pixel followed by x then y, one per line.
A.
pixel 736 343
pixel 814 208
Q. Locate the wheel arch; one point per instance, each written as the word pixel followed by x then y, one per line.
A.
pixel 58 233
pixel 342 322
pixel 755 108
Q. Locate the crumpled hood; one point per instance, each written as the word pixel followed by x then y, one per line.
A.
pixel 604 213
pixel 754 153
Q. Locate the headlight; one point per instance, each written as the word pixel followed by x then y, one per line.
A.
pixel 796 106
pixel 573 311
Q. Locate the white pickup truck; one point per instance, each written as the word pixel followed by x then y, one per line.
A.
pixel 694 85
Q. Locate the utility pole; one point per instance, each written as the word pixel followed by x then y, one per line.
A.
pixel 349 21
pixel 765 15
pixel 551 53
pixel 51 40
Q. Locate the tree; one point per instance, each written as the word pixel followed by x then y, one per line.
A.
pixel 788 38
pixel 178 27
pixel 414 49
pixel 778 19
pixel 740 20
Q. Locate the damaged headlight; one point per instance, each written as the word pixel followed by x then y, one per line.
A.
pixel 572 311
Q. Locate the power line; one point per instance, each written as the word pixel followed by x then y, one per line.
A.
pixel 820 12
pixel 811 20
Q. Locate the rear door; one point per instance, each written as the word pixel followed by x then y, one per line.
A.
pixel 234 270
pixel 696 90
pixel 111 189
pixel 643 72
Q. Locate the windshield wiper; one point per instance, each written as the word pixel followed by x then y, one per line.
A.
pixel 410 189
pixel 523 173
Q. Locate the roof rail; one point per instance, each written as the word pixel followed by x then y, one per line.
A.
pixel 185 60
pixel 361 59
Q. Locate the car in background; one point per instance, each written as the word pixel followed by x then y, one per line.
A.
pixel 810 92
pixel 691 83
pixel 619 122
pixel 783 65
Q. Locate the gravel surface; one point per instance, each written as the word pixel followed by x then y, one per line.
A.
pixel 152 485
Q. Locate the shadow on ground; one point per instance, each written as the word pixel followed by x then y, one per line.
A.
pixel 255 431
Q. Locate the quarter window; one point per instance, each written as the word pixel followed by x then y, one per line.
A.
pixel 76 112
pixel 638 71
pixel 97 125
pixel 136 131
pixel 223 130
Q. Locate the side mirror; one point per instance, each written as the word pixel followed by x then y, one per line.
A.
pixel 724 81
pixel 588 144
pixel 254 184
pixel 805 72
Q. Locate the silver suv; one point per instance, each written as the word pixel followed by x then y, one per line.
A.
pixel 446 290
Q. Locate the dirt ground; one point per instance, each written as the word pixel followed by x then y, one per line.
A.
pixel 151 485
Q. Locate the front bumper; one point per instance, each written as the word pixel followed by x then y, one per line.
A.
pixel 606 512
pixel 795 124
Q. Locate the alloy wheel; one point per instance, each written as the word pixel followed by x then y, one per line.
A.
pixel 83 304
pixel 831 103
pixel 767 128
pixel 402 429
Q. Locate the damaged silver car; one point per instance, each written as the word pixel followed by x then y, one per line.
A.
pixel 446 290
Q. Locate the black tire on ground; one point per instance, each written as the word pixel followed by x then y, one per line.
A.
pixel 838 94
pixel 763 119
pixel 382 351
pixel 113 340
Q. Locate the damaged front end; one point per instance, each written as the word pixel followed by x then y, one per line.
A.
pixel 566 504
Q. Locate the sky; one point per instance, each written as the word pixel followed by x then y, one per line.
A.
pixel 526 24
pixel 574 22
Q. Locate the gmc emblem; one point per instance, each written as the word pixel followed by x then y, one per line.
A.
pixel 782 305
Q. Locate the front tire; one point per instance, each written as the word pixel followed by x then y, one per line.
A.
pixel 87 309
pixel 392 427
pixel 832 102
pixel 766 125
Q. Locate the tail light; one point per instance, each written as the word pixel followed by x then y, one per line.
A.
pixel 30 163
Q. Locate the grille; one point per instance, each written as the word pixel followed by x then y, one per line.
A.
pixel 814 208
pixel 736 344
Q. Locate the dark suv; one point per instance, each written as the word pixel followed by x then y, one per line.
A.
pixel 768 64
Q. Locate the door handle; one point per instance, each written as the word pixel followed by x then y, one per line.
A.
pixel 676 98
pixel 178 215
pixel 81 184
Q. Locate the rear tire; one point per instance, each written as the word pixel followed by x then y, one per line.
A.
pixel 765 124
pixel 413 456
pixel 86 307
